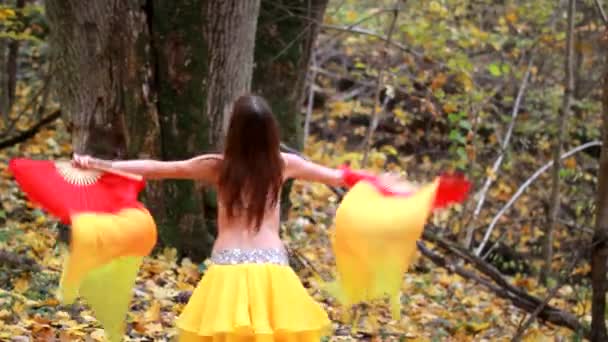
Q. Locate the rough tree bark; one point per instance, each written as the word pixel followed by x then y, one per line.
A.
pixel 156 79
pixel 286 33
pixel 104 72
pixel 180 54
pixel 599 251
pixel 231 27
pixel 103 75
pixel 557 149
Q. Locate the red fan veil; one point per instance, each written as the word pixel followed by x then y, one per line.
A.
pixel 62 190
pixel 111 232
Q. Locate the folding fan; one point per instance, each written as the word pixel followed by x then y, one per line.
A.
pixel 376 230
pixel 111 232
pixel 61 189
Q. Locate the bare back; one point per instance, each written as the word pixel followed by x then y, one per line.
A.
pixel 234 232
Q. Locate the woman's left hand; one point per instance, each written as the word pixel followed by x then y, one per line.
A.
pixel 395 183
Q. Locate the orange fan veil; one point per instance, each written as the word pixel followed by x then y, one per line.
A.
pixel 111 232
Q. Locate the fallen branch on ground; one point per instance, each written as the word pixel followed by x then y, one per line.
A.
pixel 521 330
pixel 500 286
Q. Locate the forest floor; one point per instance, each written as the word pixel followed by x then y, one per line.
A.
pixel 437 305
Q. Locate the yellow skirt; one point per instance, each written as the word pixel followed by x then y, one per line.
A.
pixel 252 302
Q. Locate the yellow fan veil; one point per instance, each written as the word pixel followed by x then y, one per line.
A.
pixel 106 252
pixel 375 242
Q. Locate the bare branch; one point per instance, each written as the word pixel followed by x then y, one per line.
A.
pixel 371 33
pixel 470 231
pixel 376 116
pixel 503 147
pixel 525 185
pixel 602 13
pixel 331 39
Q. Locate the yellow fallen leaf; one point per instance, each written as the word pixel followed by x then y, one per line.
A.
pixel 6 13
pixel 438 81
pixel 22 284
pixel 477 327
pixel 511 16
pixel 4 314
pixel 570 163
pixel 153 312
pixel 351 15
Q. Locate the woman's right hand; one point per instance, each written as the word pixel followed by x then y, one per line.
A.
pixel 84 161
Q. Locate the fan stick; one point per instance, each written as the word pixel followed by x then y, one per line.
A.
pixel 119 173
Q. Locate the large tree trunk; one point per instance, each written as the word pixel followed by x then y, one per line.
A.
pixel 599 252
pixel 157 80
pixel 287 31
pixel 180 49
pixel 105 75
pixel 231 27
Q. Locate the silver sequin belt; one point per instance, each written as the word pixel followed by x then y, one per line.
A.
pixel 235 256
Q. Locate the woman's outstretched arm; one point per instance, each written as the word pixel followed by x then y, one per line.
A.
pixel 300 168
pixel 297 167
pixel 202 168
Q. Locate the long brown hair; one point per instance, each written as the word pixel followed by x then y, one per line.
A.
pixel 251 174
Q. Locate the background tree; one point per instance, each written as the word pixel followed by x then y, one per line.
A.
pixel 179 53
pixel 165 89
pixel 471 85
pixel 286 33
pixel 599 249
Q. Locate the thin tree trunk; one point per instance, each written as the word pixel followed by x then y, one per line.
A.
pixel 180 53
pixel 285 38
pixel 599 252
pixel 231 28
pixel 4 108
pixel 557 150
pixel 12 64
pixel 282 57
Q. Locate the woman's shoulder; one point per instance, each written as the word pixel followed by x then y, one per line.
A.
pixel 290 160
pixel 212 158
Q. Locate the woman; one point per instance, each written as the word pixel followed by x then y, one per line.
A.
pixel 249 293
